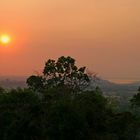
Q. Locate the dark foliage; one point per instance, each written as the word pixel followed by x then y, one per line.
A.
pixel 135 101
pixel 59 114
pixel 62 116
pixel 59 73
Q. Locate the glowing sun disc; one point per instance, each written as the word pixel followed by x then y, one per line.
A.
pixel 5 39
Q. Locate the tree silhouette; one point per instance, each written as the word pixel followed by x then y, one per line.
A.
pixel 62 72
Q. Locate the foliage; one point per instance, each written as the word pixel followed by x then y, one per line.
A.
pixel 59 73
pixel 62 116
pixel 16 107
pixel 58 114
pixel 135 101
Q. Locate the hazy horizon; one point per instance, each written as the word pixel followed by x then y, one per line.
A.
pixel 116 80
pixel 101 35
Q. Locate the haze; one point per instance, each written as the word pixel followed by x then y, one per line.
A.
pixel 103 35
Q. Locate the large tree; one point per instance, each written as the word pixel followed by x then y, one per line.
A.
pixel 62 72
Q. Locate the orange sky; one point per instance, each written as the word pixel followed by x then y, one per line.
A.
pixel 103 35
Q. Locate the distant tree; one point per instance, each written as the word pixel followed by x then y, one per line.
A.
pixel 2 90
pixel 135 101
pixel 62 72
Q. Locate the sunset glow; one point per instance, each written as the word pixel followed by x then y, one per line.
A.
pixel 5 39
pixel 102 35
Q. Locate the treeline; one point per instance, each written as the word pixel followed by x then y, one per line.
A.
pixel 57 106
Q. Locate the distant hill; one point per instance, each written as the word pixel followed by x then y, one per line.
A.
pixel 109 88
pixel 116 93
pixel 14 78
pixel 12 81
pixel 114 88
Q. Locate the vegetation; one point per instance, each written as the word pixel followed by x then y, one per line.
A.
pixel 62 72
pixel 57 106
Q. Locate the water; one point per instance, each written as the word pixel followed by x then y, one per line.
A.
pixel 124 81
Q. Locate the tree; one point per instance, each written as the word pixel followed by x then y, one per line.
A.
pixel 135 101
pixel 62 72
pixel 2 90
pixel 65 122
pixel 19 118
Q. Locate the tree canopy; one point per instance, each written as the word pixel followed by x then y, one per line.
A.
pixel 60 115
pixel 62 72
pixel 135 101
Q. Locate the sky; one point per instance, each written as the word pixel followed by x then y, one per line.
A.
pixel 103 35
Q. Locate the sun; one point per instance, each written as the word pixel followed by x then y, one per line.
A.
pixel 5 39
